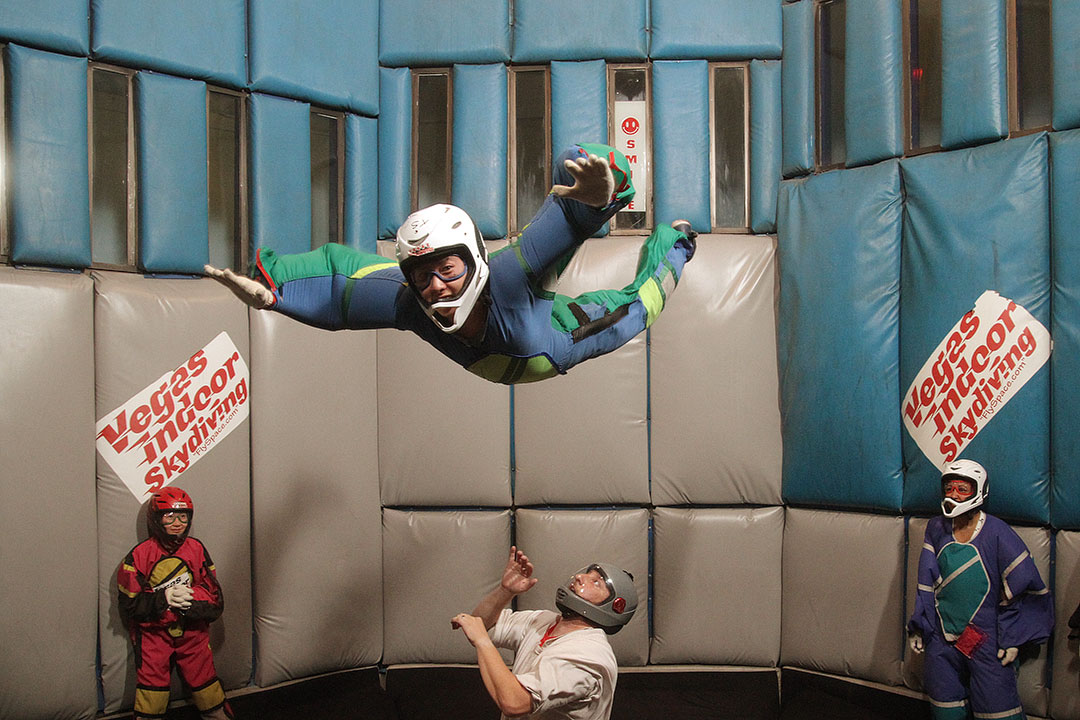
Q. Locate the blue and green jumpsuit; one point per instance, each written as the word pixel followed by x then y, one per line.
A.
pixel 531 333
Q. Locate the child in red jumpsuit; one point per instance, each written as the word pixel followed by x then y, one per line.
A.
pixel 168 597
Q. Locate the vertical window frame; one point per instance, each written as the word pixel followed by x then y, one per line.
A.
pixel 132 205
pixel 414 184
pixel 1013 72
pixel 338 119
pixel 614 226
pixel 242 229
pixel 516 224
pixel 715 226
pixel 820 164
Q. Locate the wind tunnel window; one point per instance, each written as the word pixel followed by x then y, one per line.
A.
pixel 829 57
pixel 225 165
pixel 630 131
pixel 431 137
pixel 530 143
pixel 1030 63
pixel 922 27
pixel 729 94
pixel 112 168
pixel 327 176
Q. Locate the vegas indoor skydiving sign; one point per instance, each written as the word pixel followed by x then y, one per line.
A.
pixel 171 424
pixel 985 359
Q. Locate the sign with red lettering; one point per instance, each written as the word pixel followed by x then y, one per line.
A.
pixel 154 437
pixel 980 365
pixel 633 142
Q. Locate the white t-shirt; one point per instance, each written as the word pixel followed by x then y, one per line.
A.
pixel 571 677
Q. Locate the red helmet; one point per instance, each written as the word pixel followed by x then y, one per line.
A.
pixel 168 499
pixel 171 498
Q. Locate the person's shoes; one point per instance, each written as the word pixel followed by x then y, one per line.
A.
pixel 252 292
pixel 685 228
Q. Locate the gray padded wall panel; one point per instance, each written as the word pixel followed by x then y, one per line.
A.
pixel 48 559
pixel 436 565
pixel 314 500
pixel 1065 691
pixel 731 556
pixel 434 413
pixel 582 437
pixel 144 328
pixel 843 594
pixel 561 542
pixel 715 418
pixel 1034 675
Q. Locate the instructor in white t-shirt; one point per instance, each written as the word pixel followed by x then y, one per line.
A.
pixel 563 664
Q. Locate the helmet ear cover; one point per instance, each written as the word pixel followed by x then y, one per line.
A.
pixel 616 610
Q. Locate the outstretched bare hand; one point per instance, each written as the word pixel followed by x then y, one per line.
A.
pixel 517 575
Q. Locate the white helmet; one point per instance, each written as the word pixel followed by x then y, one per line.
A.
pixel 974 473
pixel 435 232
pixel 615 611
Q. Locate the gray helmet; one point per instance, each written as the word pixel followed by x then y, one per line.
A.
pixel 615 611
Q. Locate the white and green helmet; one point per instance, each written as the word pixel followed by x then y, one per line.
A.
pixel 435 232
pixel 615 611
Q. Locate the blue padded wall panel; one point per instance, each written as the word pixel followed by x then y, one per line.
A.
pixel 326 53
pixel 1065 329
pixel 395 148
pixel 416 32
pixel 873 79
pixel 174 221
pixel 280 174
pixel 361 182
pixel 838 250
pixel 478 178
pixel 1065 43
pixel 974 104
pixel 681 141
pixel 797 81
pixel 578 104
pixel 578 107
pixel 715 29
pixel 978 220
pixel 59 25
pixel 765 144
pixel 206 39
pixel 572 30
pixel 50 202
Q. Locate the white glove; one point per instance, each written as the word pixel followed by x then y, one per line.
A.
pixel 593 182
pixel 179 596
pixel 250 291
pixel 916 643
pixel 1007 655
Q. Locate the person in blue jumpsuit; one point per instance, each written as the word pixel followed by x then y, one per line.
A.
pixel 980 598
pixel 496 316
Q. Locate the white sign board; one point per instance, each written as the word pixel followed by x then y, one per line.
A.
pixel 158 434
pixel 980 365
pixel 632 140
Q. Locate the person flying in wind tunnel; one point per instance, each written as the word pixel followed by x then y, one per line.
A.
pixel 564 667
pixel 980 598
pixel 496 316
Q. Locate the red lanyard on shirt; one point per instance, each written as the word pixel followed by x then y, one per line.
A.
pixel 547 635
